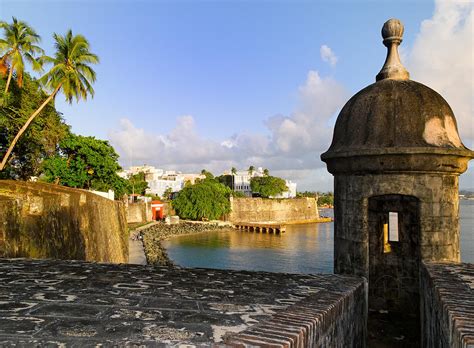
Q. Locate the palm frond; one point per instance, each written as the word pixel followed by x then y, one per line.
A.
pixel 71 69
pixel 19 44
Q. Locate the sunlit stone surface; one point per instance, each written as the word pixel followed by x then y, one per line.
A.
pixel 73 302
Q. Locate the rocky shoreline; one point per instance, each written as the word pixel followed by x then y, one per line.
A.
pixel 153 236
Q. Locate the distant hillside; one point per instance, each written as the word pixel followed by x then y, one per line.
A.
pixel 468 193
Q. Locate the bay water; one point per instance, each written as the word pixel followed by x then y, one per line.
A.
pixel 302 249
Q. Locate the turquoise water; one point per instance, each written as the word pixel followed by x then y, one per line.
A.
pixel 466 214
pixel 302 249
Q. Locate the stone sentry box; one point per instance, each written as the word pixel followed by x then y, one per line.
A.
pixel 396 157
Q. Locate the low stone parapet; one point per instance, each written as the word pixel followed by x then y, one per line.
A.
pixel 447 305
pixel 325 319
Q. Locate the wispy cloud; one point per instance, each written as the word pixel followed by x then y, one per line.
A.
pixel 442 58
pixel 328 55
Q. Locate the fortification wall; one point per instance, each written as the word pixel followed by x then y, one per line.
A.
pixel 139 212
pixel 39 220
pixel 278 210
pixel 447 303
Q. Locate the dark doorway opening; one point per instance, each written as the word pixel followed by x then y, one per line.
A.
pixel 394 260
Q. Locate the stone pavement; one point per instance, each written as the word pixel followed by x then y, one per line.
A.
pixel 136 252
pixel 52 303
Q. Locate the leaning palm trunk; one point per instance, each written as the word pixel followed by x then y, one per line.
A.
pixel 10 73
pixel 25 126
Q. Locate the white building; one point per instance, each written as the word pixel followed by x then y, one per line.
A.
pixel 160 180
pixel 290 193
pixel 241 180
pixel 151 173
pixel 241 183
pixel 159 186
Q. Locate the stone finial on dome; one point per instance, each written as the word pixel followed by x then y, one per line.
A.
pixel 392 32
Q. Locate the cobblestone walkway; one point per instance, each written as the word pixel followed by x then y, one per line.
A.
pixel 83 304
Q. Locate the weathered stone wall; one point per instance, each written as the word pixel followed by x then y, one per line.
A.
pixel 447 306
pixel 428 231
pixel 39 220
pixel 324 319
pixel 139 212
pixel 439 216
pixel 279 210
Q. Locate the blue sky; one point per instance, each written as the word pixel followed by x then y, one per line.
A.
pixel 230 72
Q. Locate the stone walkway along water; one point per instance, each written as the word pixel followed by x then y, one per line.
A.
pixel 136 252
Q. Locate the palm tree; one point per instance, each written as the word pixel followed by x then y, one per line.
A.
pixel 233 171
pixel 18 46
pixel 70 74
pixel 251 170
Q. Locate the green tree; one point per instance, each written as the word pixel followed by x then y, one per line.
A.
pixel 238 194
pixel 311 194
pixel 67 171
pixel 224 179
pixel 251 170
pixel 17 46
pixel 86 162
pixel 167 194
pixel 326 199
pixel 207 199
pixel 40 140
pixel 266 172
pixel 71 74
pixel 207 174
pixel 233 172
pixel 268 186
pixel 137 184
pixel 227 180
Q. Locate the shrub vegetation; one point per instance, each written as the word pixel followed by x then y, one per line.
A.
pixel 207 199
pixel 268 186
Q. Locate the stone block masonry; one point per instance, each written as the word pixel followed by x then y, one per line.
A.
pixel 275 210
pixel 139 212
pixel 76 303
pixel 447 306
pixel 39 220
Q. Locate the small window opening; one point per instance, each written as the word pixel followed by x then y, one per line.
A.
pixel 390 231
pixel 393 227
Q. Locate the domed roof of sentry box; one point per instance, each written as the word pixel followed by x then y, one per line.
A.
pixel 395 116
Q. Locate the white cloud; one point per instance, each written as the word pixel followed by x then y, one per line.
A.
pixel 442 58
pixel 328 55
pixel 181 146
pixel 292 148
pixel 308 128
